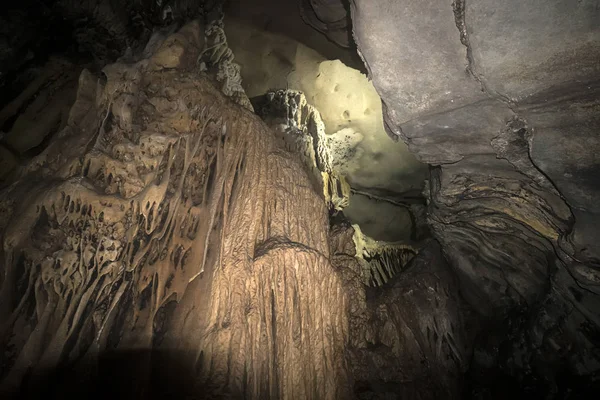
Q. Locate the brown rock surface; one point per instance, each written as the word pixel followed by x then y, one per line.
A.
pixel 166 221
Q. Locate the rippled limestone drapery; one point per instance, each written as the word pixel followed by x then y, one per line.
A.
pixel 164 216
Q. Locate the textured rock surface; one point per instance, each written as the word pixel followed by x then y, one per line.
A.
pixel 288 19
pixel 30 120
pixel 166 217
pixel 167 243
pixel 408 338
pixel 348 104
pixel 503 98
pixel 300 126
pixel 32 31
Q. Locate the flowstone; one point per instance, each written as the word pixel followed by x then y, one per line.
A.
pixel 168 222
pixel 380 261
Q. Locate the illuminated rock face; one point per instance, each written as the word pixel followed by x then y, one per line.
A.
pixel 380 172
pixel 164 216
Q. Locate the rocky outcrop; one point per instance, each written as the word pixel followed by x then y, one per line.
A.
pixel 502 97
pixel 31 32
pixel 217 59
pixel 166 220
pixel 409 338
pixel 300 127
pixel 159 232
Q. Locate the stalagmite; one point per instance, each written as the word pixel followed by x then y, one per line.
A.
pixel 218 59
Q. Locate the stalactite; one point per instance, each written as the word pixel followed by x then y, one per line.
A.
pixel 380 261
pixel 408 338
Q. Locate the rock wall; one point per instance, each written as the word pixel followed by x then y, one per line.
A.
pixel 41 110
pixel 381 173
pixel 502 97
pixel 167 235
pixel 329 17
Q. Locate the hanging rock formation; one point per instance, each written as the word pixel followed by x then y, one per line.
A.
pixel 409 337
pixel 380 261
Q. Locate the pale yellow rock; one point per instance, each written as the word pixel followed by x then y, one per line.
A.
pixel 170 54
pixel 181 49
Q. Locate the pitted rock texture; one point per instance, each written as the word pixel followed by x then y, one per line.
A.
pixel 164 216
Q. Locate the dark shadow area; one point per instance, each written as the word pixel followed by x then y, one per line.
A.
pixel 495 384
pixel 133 374
pixel 283 17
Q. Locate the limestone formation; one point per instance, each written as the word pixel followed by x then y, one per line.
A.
pixel 40 111
pixel 408 338
pixel 329 17
pixel 300 126
pixel 166 217
pixel 219 57
pixel 380 261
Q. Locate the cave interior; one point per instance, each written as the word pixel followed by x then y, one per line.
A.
pixel 300 199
